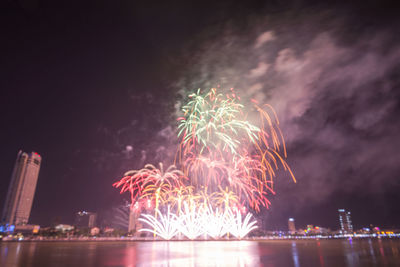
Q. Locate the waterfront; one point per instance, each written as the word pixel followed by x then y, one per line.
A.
pixel 343 252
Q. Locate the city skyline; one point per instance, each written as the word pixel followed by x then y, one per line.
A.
pixel 23 169
pixel 23 185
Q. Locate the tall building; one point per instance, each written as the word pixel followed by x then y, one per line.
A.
pixel 21 190
pixel 133 220
pixel 345 221
pixel 135 211
pixel 291 226
pixel 85 219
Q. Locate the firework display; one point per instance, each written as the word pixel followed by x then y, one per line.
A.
pixel 203 222
pixel 225 165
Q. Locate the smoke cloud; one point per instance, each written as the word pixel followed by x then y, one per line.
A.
pixel 335 92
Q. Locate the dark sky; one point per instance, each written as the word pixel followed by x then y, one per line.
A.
pixel 82 82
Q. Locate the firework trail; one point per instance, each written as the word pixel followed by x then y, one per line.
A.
pixel 150 182
pixel 220 147
pixel 225 161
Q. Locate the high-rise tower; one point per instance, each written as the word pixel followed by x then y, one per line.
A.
pixel 345 221
pixel 291 226
pixel 21 190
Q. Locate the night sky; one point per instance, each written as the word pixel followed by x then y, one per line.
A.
pixel 94 88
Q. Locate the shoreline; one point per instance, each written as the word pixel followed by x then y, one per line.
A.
pixel 135 239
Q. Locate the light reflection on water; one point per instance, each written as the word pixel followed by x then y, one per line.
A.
pixel 295 255
pixel 352 256
pixel 233 253
pixel 368 252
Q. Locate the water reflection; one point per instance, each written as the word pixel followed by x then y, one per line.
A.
pixel 395 249
pixel 295 255
pixel 213 253
pixel 321 257
pixel 382 251
pixel 373 252
pixel 350 252
pixel 10 255
pixel 31 254
pixel 130 256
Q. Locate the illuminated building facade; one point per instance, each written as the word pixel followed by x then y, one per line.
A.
pixel 291 226
pixel 346 225
pixel 134 224
pixel 85 219
pixel 21 190
pixel 143 206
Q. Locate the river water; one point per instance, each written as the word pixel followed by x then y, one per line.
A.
pixel 365 252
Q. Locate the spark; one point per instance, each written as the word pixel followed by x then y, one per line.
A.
pixel 165 226
pixel 227 165
pixel 239 228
